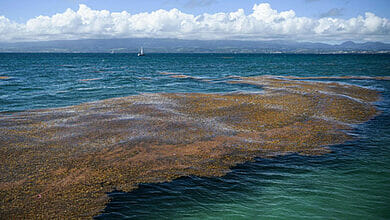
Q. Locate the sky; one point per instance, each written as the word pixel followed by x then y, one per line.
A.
pixel 328 21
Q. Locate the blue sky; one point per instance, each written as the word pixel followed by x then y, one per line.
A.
pixel 22 10
pixel 330 21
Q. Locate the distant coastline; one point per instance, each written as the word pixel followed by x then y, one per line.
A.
pixel 132 45
pixel 216 52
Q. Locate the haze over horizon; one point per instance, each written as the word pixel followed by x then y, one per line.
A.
pixel 327 22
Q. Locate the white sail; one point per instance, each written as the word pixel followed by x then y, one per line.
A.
pixel 141 53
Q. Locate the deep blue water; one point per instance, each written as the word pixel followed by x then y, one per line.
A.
pixel 352 182
pixel 52 80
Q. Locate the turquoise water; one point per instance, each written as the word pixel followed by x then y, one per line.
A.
pixel 352 182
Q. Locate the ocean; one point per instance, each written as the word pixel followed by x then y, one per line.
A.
pixel 352 181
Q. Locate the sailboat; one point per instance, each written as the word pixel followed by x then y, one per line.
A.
pixel 141 52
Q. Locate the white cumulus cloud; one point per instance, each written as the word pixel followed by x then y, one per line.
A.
pixel 263 23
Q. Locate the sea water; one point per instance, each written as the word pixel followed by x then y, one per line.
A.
pixel 352 182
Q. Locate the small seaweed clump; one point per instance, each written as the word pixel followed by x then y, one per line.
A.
pixel 60 163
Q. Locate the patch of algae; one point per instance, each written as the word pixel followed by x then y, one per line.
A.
pixel 60 163
pixel 341 77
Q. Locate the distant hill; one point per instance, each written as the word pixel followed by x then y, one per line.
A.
pixel 374 46
pixel 132 45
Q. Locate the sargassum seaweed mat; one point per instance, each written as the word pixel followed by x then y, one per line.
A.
pixel 61 162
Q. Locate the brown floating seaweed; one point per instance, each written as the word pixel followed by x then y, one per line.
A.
pixel 59 163
pixel 342 77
